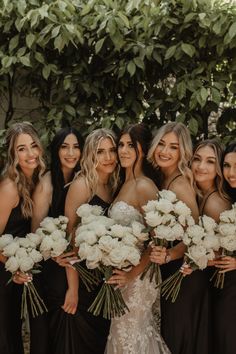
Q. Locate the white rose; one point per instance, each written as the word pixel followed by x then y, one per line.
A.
pixel 129 240
pixel 94 257
pixel 164 232
pixel 201 262
pixel 181 208
pixel 166 194
pixel 228 242
pixel 12 264
pixel 63 219
pixel 34 238
pixel 84 250
pixel 91 238
pixel 40 232
pixel 211 242
pixel 59 247
pixel 100 230
pixel 5 240
pixel 208 223
pixel 195 230
pixel 153 218
pixel 117 256
pixel 190 221
pixel 11 249
pixel 150 206
pixel 164 206
pixel 119 230
pixel 36 256
pixel 138 230
pixel 228 216
pixel 186 239
pixel 57 235
pixel 178 231
pixel 168 220
pixel 133 256
pixel 26 242
pixel 107 243
pixel 227 229
pixel 26 264
pixel 48 225
pixel 197 251
pixel 21 253
pixel 46 244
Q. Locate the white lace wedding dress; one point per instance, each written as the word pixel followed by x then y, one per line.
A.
pixel 135 332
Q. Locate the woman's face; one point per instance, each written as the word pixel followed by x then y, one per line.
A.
pixel 106 156
pixel 229 169
pixel 69 152
pixel 126 151
pixel 167 153
pixel 27 152
pixel 204 165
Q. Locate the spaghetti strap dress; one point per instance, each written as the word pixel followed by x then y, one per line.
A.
pixel 10 301
pixel 184 323
pixel 79 333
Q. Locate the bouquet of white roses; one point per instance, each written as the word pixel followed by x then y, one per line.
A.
pixel 201 242
pixel 53 236
pixel 227 239
pixel 167 217
pixel 105 245
pixel 23 256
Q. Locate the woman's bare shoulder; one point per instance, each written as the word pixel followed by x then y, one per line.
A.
pixel 215 205
pixel 9 192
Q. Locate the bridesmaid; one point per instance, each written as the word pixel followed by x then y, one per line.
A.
pixel 49 200
pixel 171 152
pixel 95 184
pixel 24 168
pixel 224 309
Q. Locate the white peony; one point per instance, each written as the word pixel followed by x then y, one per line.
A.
pixel 5 240
pixel 138 230
pixel 36 256
pixel 21 253
pixel 25 264
pixel 164 206
pixel 208 223
pixel 57 235
pixel 35 238
pixel 228 243
pixel 11 249
pixel 227 229
pixel 12 264
pixel 195 230
pixel 153 218
pixel 130 240
pixel 211 242
pixel 107 243
pixel 94 257
pixel 84 250
pixel 59 247
pixel 228 216
pixel 119 230
pixel 150 206
pixel 91 238
pixel 166 194
pixel 178 231
pixel 181 208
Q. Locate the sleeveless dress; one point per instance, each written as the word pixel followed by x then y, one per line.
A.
pixel 10 301
pixel 135 332
pixel 184 323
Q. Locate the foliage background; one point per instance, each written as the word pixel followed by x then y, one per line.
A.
pixel 92 63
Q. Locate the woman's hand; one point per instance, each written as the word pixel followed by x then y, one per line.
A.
pixel 21 278
pixel 71 301
pixel 3 259
pixel 121 278
pixel 186 269
pixel 158 254
pixel 226 264
pixel 65 258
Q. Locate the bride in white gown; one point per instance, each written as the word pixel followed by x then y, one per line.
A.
pixel 135 332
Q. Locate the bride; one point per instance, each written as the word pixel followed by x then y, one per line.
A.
pixel 134 332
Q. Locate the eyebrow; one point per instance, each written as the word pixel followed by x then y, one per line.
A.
pixel 208 157
pixel 69 143
pixel 23 145
pixel 163 141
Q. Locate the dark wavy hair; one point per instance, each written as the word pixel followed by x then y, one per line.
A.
pixel 57 178
pixel 140 133
pixel 229 190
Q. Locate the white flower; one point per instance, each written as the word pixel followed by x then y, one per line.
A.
pixel 84 250
pixel 168 220
pixel 59 247
pixel 181 208
pixel 25 264
pixel 195 230
pixel 129 240
pixel 11 249
pixel 133 256
pixel 34 238
pixel 26 242
pixel 46 244
pixel 186 239
pixel 57 235
pixel 117 256
pixel 164 206
pixel 197 251
pixel 153 218
pixel 21 253
pixel 228 216
pixel 5 240
pixel 208 223
pixel 12 264
pixel 86 209
pixel 227 229
pixel 139 231
pixel 178 231
pixel 100 230
pixel 150 206
pixel 119 230
pixel 211 242
pixel 36 256
pixel 91 238
pixel 63 219
pixel 48 225
pixel 166 194
pixel 94 257
pixel 107 243
pixel 164 232
pixel 228 242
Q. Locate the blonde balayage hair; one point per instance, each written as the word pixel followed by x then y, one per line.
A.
pixel 218 151
pixel 88 162
pixel 185 147
pixel 12 170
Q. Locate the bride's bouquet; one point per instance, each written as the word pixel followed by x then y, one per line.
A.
pixel 167 217
pixel 23 256
pixel 201 242
pixel 227 240
pixel 105 245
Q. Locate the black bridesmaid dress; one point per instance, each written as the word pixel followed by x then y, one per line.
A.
pixel 10 301
pixel 79 333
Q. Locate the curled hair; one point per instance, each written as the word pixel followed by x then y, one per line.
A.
pixel 185 147
pixel 89 160
pixel 218 151
pixel 57 177
pixel 140 133
pixel 12 169
pixel 231 192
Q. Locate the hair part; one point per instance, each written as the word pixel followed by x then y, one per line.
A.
pixel 231 192
pixel 12 169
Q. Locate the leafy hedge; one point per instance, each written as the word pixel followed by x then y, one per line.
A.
pixel 109 62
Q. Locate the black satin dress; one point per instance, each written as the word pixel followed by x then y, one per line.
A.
pixel 81 333
pixel 10 301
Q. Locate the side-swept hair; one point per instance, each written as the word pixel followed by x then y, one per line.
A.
pixel 231 192
pixel 88 162
pixel 13 171
pixel 185 147
pixel 218 149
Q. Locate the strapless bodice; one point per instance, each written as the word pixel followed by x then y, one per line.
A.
pixel 124 214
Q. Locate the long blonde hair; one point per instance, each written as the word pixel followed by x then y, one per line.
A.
pixel 218 151
pixel 88 162
pixel 185 147
pixel 12 170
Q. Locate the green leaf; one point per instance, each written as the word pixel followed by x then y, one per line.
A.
pixel 21 52
pixel 39 57
pixel 139 63
pixel 59 43
pixel 216 96
pixel 131 67
pixel 232 30
pixel 157 56
pixel 69 109
pixel 188 49
pixel 193 126
pixel 46 71
pixel 30 39
pixel 99 45
pixel 14 43
pixel 6 61
pixel 55 31
pixel 181 118
pixel 123 18
pixel 204 95
pixel 170 52
pixel 181 90
pixel 25 60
